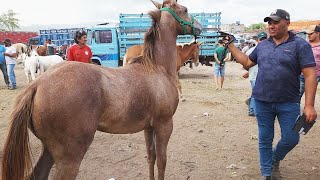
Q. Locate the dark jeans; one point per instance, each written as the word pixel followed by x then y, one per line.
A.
pixel 265 114
pixel 3 68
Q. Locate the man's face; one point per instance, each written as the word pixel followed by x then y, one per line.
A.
pixel 313 36
pixel 83 39
pixel 278 29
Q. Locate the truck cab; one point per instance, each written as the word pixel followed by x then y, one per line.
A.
pixel 104 44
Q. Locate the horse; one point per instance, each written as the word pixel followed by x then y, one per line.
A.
pixel 30 67
pixel 20 49
pixel 65 106
pixel 42 50
pixel 187 51
pixel 33 62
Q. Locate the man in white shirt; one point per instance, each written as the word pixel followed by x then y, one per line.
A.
pixel 10 56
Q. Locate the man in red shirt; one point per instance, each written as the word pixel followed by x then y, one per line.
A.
pixel 80 51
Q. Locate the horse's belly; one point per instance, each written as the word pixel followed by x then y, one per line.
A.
pixel 121 126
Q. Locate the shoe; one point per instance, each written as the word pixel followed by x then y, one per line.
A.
pixel 12 88
pixel 248 101
pixel 276 170
pixel 265 178
pixel 251 114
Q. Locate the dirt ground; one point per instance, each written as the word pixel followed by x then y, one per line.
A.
pixel 213 137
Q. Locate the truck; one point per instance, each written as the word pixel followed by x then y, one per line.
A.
pixel 17 36
pixel 58 37
pixel 109 43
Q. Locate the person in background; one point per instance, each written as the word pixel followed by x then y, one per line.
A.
pixel 220 57
pixel 3 65
pixel 252 73
pixel 313 32
pixel 80 51
pixel 51 48
pixel 281 58
pixel 10 56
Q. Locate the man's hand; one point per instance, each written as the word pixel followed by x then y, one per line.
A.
pixel 245 75
pixel 310 113
pixel 228 40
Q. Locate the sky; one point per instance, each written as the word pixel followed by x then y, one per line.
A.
pixel 85 11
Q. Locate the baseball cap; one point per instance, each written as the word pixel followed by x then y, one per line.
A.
pixel 7 41
pixel 277 15
pixel 262 35
pixel 312 28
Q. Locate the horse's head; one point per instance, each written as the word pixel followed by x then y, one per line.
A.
pixel 195 53
pixel 185 23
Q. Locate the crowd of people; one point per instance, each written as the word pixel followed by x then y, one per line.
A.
pixel 79 51
pixel 281 68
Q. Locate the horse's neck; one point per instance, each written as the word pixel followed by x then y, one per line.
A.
pixel 165 49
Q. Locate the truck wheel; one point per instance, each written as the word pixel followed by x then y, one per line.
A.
pixel 94 61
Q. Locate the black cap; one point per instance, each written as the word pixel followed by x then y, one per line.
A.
pixel 277 15
pixel 7 41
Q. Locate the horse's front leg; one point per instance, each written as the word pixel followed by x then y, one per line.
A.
pixel 163 133
pixel 33 73
pixel 26 72
pixel 151 155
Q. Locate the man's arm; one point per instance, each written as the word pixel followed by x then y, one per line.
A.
pixel 216 58
pixel 14 55
pixel 310 92
pixel 241 57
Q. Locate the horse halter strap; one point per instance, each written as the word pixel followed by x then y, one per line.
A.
pixel 183 23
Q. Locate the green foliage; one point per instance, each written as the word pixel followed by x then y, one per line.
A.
pixel 256 26
pixel 8 21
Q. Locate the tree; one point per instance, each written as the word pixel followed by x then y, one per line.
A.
pixel 256 26
pixel 8 21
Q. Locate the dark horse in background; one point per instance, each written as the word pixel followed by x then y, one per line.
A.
pixel 70 102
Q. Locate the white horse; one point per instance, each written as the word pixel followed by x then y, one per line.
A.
pixel 30 66
pixel 34 62
pixel 20 49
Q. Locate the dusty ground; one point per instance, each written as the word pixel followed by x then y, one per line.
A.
pixel 222 145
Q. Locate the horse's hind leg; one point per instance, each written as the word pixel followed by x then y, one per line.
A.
pixel 68 156
pixel 163 133
pixel 151 154
pixel 44 164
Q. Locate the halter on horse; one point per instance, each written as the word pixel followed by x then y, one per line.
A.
pixel 66 105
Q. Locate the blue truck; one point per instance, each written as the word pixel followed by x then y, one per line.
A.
pixel 58 37
pixel 109 42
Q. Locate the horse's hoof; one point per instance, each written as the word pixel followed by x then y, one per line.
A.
pixel 183 100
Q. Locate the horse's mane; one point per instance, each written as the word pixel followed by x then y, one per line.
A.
pixel 149 41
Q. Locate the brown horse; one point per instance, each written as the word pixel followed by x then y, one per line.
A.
pixel 70 102
pixel 185 52
pixel 42 50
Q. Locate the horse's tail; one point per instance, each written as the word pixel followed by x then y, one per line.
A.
pixel 16 160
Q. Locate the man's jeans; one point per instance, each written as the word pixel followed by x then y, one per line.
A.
pixel 12 76
pixel 252 104
pixel 3 68
pixel 287 114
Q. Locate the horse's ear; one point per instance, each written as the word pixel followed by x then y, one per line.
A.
pixel 199 43
pixel 158 5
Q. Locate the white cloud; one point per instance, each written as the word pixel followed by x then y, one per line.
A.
pixel 80 11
